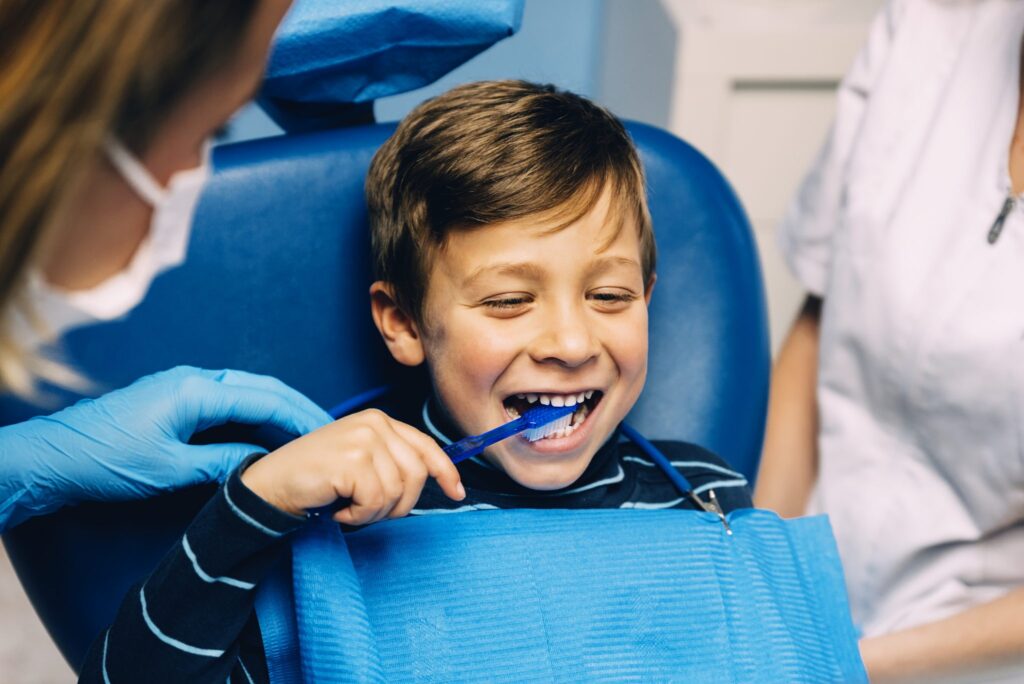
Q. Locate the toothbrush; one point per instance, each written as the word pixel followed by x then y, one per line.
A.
pixel 545 419
pixel 533 419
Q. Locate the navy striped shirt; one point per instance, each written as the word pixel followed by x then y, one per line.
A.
pixel 193 619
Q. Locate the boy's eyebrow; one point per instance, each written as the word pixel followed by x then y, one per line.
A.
pixel 522 269
pixel 528 271
pixel 609 262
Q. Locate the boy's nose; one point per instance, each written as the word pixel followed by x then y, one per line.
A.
pixel 567 340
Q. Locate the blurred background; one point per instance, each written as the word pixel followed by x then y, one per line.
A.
pixel 749 83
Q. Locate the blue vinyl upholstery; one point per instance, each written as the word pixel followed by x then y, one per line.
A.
pixel 276 282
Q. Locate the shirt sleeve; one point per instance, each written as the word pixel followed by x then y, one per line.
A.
pixel 805 234
pixel 185 621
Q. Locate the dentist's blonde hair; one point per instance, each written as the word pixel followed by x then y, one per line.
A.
pixel 73 72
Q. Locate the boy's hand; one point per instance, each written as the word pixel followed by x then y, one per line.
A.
pixel 379 463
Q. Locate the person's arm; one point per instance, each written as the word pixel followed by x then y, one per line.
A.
pixel 982 636
pixel 183 623
pixel 133 443
pixel 789 459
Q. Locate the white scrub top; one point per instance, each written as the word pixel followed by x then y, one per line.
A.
pixel 921 362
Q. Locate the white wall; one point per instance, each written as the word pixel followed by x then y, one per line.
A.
pixel 558 43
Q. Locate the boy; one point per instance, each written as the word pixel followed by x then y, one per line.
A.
pixel 516 260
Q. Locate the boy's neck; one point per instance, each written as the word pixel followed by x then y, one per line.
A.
pixel 480 473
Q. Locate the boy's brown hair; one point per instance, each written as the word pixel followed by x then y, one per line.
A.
pixel 489 152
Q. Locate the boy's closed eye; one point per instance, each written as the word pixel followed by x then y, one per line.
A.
pixel 608 300
pixel 614 299
pixel 508 302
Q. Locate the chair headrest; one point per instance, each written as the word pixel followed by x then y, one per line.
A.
pixel 329 55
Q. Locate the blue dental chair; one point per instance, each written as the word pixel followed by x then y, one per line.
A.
pixel 276 282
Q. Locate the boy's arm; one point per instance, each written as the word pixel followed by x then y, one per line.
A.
pixel 183 623
pixel 789 459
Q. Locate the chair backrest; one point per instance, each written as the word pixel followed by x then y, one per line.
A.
pixel 276 282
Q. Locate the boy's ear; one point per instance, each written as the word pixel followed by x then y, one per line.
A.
pixel 399 330
pixel 649 290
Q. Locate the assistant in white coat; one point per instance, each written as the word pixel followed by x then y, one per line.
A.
pixel 910 230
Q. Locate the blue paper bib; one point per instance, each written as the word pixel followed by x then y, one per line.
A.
pixel 557 595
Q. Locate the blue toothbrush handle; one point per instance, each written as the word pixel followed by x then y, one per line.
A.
pixel 536 417
pixel 465 448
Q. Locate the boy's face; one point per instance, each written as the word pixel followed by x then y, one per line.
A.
pixel 514 310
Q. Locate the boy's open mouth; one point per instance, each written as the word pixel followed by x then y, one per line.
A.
pixel 585 402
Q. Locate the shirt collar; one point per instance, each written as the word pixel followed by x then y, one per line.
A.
pixel 603 470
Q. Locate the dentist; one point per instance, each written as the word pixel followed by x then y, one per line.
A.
pixel 897 402
pixel 108 110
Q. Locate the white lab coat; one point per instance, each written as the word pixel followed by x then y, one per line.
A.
pixel 921 367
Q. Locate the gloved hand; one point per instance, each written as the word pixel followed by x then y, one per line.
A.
pixel 133 443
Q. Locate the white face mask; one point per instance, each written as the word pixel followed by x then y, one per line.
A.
pixel 164 247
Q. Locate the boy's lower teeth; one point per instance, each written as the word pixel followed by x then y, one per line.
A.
pixel 541 433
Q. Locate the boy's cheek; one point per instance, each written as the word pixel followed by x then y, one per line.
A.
pixel 477 354
pixel 473 363
pixel 463 378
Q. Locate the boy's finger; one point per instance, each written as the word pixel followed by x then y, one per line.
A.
pixel 390 480
pixel 367 498
pixel 438 464
pixel 414 475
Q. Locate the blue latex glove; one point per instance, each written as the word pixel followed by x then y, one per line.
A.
pixel 133 443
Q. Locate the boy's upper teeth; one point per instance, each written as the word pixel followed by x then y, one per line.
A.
pixel 558 399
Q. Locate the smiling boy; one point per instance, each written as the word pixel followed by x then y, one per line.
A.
pixel 518 313
pixel 516 260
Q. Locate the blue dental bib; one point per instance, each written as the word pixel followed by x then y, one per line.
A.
pixel 560 595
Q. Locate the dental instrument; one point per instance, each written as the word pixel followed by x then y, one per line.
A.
pixel 682 484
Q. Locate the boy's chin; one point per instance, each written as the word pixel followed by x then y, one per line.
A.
pixel 542 477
